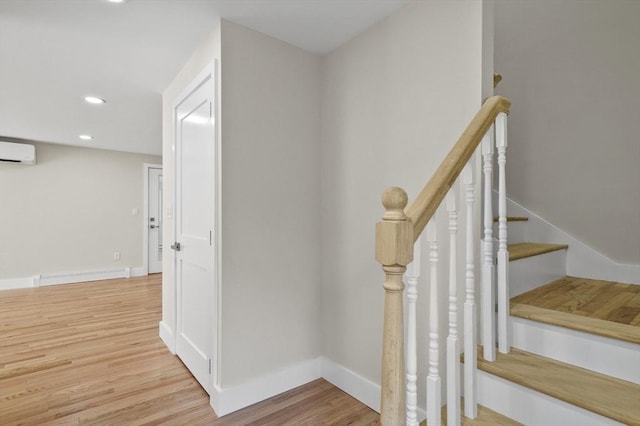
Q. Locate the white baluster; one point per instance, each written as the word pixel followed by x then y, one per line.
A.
pixel 412 275
pixel 433 379
pixel 503 254
pixel 488 268
pixel 470 356
pixel 453 344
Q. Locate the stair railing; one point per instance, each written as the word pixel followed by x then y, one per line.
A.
pixel 396 235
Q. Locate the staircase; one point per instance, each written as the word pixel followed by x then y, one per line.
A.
pixel 541 360
pixel 575 344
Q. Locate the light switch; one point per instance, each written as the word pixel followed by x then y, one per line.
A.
pixel 134 211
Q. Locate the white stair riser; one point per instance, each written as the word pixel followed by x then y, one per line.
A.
pixel 530 407
pixel 532 272
pixel 601 354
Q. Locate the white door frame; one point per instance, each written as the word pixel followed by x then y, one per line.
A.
pixel 145 215
pixel 207 72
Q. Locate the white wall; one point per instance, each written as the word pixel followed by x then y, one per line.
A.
pixel 308 144
pixel 572 70
pixel 270 204
pixel 71 211
pixel 395 99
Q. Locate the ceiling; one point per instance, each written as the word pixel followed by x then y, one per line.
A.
pixel 53 53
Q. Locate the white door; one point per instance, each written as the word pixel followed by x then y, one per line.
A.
pixel 194 219
pixel 154 225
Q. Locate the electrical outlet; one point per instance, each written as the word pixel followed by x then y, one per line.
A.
pixel 116 255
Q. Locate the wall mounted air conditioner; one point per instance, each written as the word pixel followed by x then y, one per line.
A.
pixel 20 153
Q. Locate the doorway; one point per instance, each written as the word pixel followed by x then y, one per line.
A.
pixel 152 220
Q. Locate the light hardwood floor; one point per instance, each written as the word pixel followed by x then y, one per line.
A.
pixel 90 354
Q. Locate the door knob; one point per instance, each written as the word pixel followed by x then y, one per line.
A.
pixel 176 246
pixel 153 227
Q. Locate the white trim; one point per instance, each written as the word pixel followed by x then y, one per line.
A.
pixel 70 277
pixel 166 334
pixel 217 230
pixel 83 276
pixel 145 214
pixel 532 407
pixel 14 283
pixel 582 260
pixel 226 401
pixel 362 389
pixel 138 272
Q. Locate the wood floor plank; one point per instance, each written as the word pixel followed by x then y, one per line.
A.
pixel 89 353
pixel 574 294
pixel 544 294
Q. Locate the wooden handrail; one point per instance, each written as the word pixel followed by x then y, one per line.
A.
pixel 427 202
pixel 400 227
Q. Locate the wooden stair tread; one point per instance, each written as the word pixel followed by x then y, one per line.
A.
pixel 485 417
pixel 513 218
pixel 614 330
pixel 610 397
pixel 523 250
pixel 605 308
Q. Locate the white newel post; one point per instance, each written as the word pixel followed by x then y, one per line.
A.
pixel 488 268
pixel 453 345
pixel 412 275
pixel 433 379
pixel 470 357
pixel 503 254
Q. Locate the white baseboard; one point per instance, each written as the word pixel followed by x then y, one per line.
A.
pixel 532 407
pixel 82 276
pixel 14 283
pixel 166 334
pixel 138 272
pixel 227 400
pixel 364 390
pixel 70 277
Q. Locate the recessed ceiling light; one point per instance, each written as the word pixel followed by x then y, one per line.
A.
pixel 85 137
pixel 117 1
pixel 94 100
